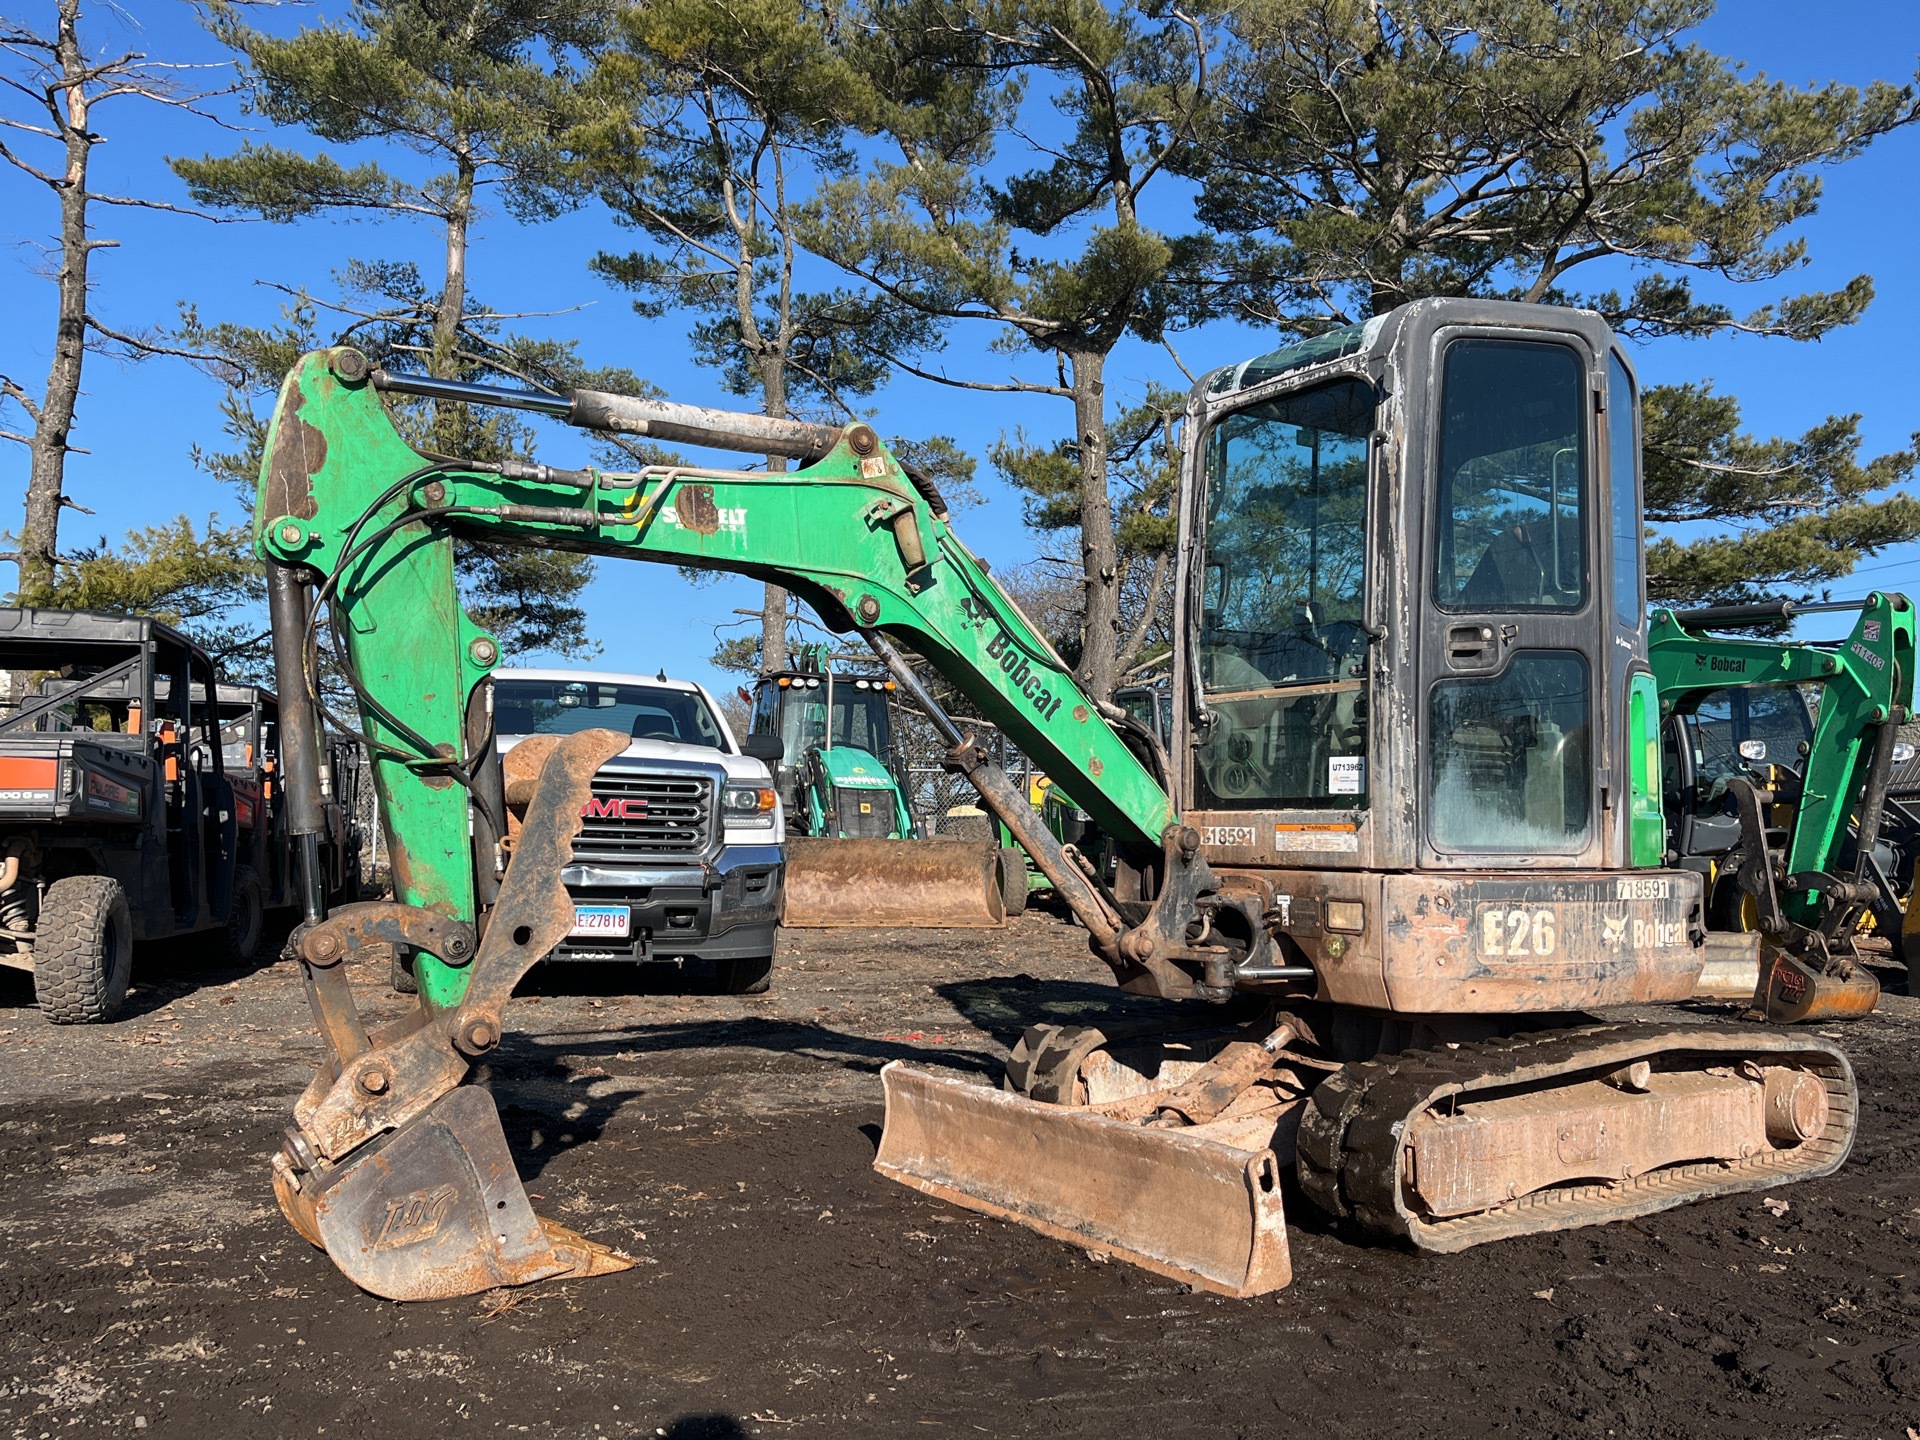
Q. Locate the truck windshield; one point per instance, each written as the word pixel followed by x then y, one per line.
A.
pixel 1282 635
pixel 561 707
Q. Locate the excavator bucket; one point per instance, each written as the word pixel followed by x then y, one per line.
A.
pixel 403 1176
pixel 917 883
pixel 437 1210
pixel 1199 1204
pixel 1791 991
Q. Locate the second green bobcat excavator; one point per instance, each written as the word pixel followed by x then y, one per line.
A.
pixel 1404 850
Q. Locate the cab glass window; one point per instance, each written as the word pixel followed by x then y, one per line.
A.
pixel 1623 475
pixel 236 741
pixel 1512 486
pixel 1283 641
pixel 1775 715
pixel 1512 768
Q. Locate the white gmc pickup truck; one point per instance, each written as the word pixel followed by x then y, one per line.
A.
pixel 680 856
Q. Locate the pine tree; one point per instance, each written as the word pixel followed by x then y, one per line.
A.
pixel 478 89
pixel 936 234
pixel 1359 156
pixel 721 118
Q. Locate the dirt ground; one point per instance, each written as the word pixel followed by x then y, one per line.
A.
pixel 148 1284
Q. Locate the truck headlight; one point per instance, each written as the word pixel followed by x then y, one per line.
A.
pixel 748 805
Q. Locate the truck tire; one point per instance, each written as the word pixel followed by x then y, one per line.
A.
pixel 246 918
pixel 83 950
pixel 1013 880
pixel 401 977
pixel 751 976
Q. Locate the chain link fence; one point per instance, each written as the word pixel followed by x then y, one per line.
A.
pixel 943 802
pixel 354 780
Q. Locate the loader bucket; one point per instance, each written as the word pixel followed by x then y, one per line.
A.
pixel 1175 1202
pixel 919 883
pixel 436 1210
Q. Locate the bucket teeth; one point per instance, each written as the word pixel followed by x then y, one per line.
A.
pixel 585 1258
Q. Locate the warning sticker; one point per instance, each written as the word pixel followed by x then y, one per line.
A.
pixel 1320 840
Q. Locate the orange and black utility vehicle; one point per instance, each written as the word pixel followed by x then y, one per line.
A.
pixel 137 801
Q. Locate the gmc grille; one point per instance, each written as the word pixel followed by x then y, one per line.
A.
pixel 634 815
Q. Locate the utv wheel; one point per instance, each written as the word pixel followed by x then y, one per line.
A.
pixel 246 918
pixel 402 979
pixel 1013 880
pixel 752 976
pixel 83 950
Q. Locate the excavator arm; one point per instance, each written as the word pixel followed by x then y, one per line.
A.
pixel 350 510
pixel 394 1168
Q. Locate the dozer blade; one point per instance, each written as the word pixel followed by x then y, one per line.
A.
pixel 436 1210
pixel 1175 1202
pixel 919 883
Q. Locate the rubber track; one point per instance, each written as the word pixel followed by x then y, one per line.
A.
pixel 1349 1151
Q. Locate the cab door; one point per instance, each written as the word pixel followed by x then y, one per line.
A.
pixel 1514 661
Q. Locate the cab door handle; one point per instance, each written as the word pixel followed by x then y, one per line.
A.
pixel 1470 645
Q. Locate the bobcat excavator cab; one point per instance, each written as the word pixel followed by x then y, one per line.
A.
pixel 1406 840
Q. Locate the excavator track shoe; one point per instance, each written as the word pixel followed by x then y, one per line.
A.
pixel 1174 1201
pixel 918 884
pixel 436 1210
pixel 1446 1149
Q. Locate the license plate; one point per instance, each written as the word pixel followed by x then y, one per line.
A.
pixel 602 920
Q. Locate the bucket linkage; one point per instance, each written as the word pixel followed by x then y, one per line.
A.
pixel 395 1168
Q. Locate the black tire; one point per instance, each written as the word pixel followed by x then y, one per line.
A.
pixel 751 976
pixel 83 950
pixel 246 923
pixel 402 978
pixel 967 827
pixel 1013 880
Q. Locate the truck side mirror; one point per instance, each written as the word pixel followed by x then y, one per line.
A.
pixel 764 747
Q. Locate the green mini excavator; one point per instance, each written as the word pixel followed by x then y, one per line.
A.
pixel 1402 854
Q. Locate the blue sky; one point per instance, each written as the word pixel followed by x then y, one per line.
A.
pixel 139 421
